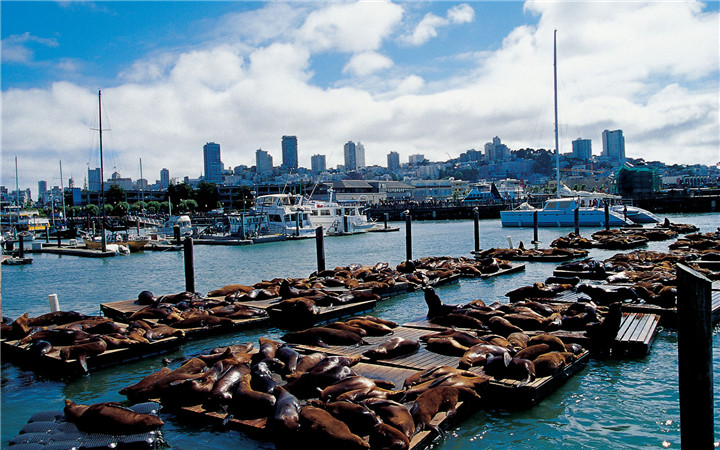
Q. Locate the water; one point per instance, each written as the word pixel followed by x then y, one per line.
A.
pixel 610 403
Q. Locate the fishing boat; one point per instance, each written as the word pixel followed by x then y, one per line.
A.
pixel 561 211
pixel 132 243
pixel 286 214
pixel 338 218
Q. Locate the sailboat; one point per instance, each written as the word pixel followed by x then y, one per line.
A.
pixel 560 211
pixel 100 242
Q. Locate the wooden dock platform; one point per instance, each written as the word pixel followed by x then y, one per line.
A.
pixel 80 250
pixel 636 335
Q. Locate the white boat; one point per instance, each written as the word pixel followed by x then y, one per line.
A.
pixel 635 214
pixel 560 212
pixel 182 221
pixel 338 218
pixel 286 214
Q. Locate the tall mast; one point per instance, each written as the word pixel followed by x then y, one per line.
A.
pixel 557 147
pixel 62 193
pixel 142 194
pixel 17 197
pixel 102 176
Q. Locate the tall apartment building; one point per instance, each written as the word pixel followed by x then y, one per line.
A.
pixel 164 178
pixel 42 191
pixel 94 179
pixel 263 161
pixel 289 152
pixel 393 161
pixel 317 163
pixel 359 156
pixel 213 164
pixel 582 149
pixel 416 159
pixel 496 151
pixel 350 156
pixel 613 145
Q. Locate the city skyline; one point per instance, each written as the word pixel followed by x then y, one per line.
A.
pixel 423 78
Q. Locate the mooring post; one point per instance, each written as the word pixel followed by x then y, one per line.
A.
pixel 176 234
pixel 386 219
pixel 695 358
pixel 476 219
pixel 189 265
pixel 21 249
pixel 59 240
pixel 408 236
pixel 47 235
pixel 607 216
pixel 535 228
pixel 577 220
pixel 297 223
pixel 346 225
pixel 320 247
pixel 242 226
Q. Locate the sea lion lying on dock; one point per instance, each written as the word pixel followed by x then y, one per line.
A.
pixel 323 337
pixel 435 400
pixel 109 418
pixel 324 431
pixel 392 348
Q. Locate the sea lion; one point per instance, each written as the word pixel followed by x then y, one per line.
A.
pixel 518 341
pixel 287 411
pixel 343 326
pixel 365 393
pixel 478 354
pixel 79 351
pixel 476 382
pixel 371 327
pixel 388 437
pixel 289 357
pixel 526 321
pixel 262 378
pixel 200 320
pixel 549 363
pixel 533 351
pixel 59 318
pixel 442 398
pixel 222 390
pixel 322 337
pixel 249 403
pixel 387 323
pixel 358 417
pixel 435 306
pixel 445 345
pixel 393 414
pixel 306 363
pixel 329 371
pixel 602 335
pixel 505 366
pixel 146 382
pixel 229 290
pixel 109 418
pixel 556 344
pixel 392 348
pixel 325 431
pixel 502 326
pixel 459 320
pixel 462 337
pixel 432 373
pixel 347 384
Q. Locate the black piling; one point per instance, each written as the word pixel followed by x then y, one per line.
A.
pixel 21 249
pixel 176 234
pixel 408 236
pixel 386 220
pixel 346 225
pixel 59 238
pixel 297 223
pixel 476 220
pixel 242 226
pixel 577 220
pixel 695 358
pixel 320 247
pixel 47 235
pixel 535 228
pixel 607 216
pixel 189 265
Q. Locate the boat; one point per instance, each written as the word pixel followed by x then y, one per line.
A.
pixel 560 211
pixel 286 214
pixel 29 220
pixel 252 226
pixel 132 243
pixel 338 218
pixel 182 221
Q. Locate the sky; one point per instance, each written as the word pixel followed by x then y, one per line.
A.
pixel 431 78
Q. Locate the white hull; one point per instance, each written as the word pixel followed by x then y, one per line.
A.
pixel 561 213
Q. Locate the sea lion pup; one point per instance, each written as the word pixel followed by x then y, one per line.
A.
pixel 109 418
pixel 327 432
pixel 323 337
pixel 602 335
pixel 478 354
pixel 435 306
pixel 392 348
pixel 248 403
pixel 432 373
pixel 435 400
pixel 393 414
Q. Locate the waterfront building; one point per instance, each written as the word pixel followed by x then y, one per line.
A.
pixel 42 191
pixel 582 149
pixel 94 180
pixel 350 156
pixel 289 152
pixel 496 151
pixel 263 161
pixel 317 163
pixel 164 178
pixel 393 161
pixel 213 163
pixel 613 145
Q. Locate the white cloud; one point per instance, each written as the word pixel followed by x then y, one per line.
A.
pixel 635 67
pixel 461 14
pixel 15 48
pixel 363 64
pixel 429 25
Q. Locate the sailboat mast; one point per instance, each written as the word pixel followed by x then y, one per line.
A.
pixel 142 193
pixel 62 193
pixel 102 175
pixel 557 147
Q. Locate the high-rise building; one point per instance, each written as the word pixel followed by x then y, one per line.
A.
pixel 94 179
pixel 582 149
pixel 42 190
pixel 393 161
pixel 416 159
pixel 359 155
pixel 496 151
pixel 350 157
pixel 213 164
pixel 613 145
pixel 317 163
pixel 289 152
pixel 164 178
pixel 263 161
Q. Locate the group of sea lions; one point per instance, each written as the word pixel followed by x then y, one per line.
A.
pixel 313 397
pixel 72 335
pixel 525 253
pixel 109 418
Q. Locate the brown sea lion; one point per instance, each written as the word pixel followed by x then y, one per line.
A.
pixel 289 357
pixel 432 373
pixel 371 327
pixel 329 371
pixel 78 351
pixel 389 437
pixel 435 306
pixel 550 363
pixel 518 341
pixel 501 367
pixel 392 348
pixel 502 326
pixel 348 384
pixel 459 320
pixel 306 363
pixel 477 382
pixel 287 411
pixel 526 321
pixel 322 337
pixel 556 344
pixel 387 323
pixel 478 354
pixel 393 414
pixel 462 337
pixel 358 417
pixel 248 403
pixel 365 393
pixel 325 431
pixel 59 318
pixel 442 398
pixel 161 332
pixel 533 351
pixel 446 345
pixel 146 382
pixel 200 320
pixel 229 290
pixel 223 389
pixel 343 326
pixel 109 418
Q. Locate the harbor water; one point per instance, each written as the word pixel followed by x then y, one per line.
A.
pixel 611 403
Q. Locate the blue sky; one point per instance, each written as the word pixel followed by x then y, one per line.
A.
pixel 434 78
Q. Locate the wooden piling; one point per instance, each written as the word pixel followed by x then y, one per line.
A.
pixel 408 236
pixel 59 239
pixel 476 218
pixel 189 265
pixel 695 359
pixel 21 250
pixel 577 220
pixel 607 216
pixel 320 247
pixel 535 228
pixel 176 234
pixel 386 219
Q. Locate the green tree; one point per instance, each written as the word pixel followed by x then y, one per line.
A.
pixel 114 195
pixel 188 205
pixel 206 196
pixel 138 207
pixel 92 210
pixel 153 207
pixel 179 192
pixel 121 208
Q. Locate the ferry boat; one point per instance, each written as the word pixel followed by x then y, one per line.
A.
pixel 560 212
pixel 17 220
pixel 286 214
pixel 338 218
